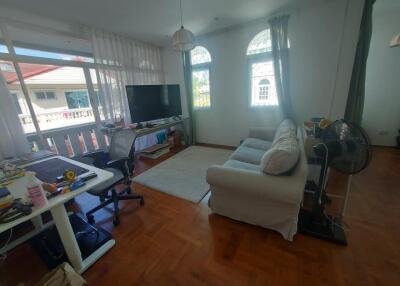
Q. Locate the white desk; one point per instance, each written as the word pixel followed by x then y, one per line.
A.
pixel 60 217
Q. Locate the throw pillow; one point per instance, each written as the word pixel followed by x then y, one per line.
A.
pixel 281 158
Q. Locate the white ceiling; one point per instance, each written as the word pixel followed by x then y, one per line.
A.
pixel 156 20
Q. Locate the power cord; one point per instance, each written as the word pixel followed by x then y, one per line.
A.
pixel 4 256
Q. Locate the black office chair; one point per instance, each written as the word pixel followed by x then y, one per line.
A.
pixel 120 161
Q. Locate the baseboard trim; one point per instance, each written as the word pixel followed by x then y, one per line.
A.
pixel 216 146
pixel 385 147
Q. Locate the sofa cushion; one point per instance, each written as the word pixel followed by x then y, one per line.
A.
pixel 257 143
pixel 242 165
pixel 281 158
pixel 248 155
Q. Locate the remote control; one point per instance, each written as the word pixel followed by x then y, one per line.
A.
pixel 88 176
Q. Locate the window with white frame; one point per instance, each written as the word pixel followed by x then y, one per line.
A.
pixel 201 66
pixel 77 99
pixel 261 71
pixel 45 95
pixel 7 67
pixel 72 76
pixel 263 89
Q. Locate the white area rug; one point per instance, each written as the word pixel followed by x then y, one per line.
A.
pixel 184 175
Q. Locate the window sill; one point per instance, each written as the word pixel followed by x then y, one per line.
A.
pixel 264 106
pixel 201 108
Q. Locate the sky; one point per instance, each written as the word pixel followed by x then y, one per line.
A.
pixel 43 54
pixel 40 54
pixel 3 49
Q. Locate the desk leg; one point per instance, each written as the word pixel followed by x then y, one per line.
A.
pixel 67 236
pixel 37 222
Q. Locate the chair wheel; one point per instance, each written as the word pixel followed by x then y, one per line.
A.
pixel 116 221
pixel 142 202
pixel 90 219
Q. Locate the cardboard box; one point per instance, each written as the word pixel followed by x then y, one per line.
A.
pixel 62 275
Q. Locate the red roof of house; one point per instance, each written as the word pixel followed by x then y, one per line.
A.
pixel 28 70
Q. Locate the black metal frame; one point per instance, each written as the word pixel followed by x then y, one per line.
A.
pixel 126 166
pixel 315 222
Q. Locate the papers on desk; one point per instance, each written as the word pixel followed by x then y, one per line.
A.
pixel 18 188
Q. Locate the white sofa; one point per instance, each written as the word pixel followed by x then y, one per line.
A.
pixel 241 190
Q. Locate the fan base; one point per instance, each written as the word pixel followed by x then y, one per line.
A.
pixel 322 228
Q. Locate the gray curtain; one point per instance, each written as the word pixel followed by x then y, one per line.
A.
pixel 280 53
pixel 355 99
pixel 187 73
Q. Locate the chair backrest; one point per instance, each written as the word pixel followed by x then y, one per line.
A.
pixel 122 144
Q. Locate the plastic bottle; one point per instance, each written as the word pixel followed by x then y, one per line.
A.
pixel 35 190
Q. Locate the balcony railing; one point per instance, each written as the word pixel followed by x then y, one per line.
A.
pixel 56 119
pixel 70 141
pixel 69 133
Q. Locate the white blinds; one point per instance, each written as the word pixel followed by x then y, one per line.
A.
pixel 121 61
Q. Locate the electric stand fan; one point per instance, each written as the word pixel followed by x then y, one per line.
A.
pixel 345 147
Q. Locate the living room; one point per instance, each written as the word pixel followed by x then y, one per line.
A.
pixel 199 142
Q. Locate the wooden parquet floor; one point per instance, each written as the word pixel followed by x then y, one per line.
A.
pixel 170 241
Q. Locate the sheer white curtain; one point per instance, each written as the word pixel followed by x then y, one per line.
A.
pixel 121 61
pixel 13 141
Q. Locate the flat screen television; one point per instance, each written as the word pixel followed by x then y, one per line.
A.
pixel 151 102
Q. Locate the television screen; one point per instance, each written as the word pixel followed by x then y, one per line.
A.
pixel 151 102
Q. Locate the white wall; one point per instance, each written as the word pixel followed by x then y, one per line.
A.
pixel 172 64
pixel 323 44
pixel 381 117
pixel 322 53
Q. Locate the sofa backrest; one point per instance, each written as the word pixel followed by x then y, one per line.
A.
pixel 286 129
pixel 301 169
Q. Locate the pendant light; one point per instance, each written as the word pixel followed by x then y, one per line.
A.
pixel 183 40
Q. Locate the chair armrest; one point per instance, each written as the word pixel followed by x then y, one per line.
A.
pixel 94 154
pixel 256 184
pixel 100 158
pixel 266 134
pixel 119 163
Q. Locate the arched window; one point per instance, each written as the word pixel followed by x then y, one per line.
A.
pixel 263 89
pixel 261 71
pixel 201 66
